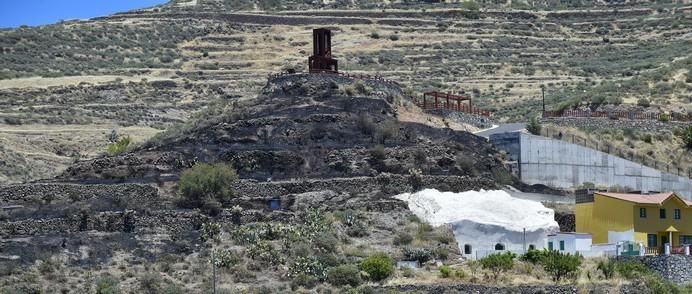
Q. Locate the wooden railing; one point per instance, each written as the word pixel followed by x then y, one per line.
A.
pixel 652 251
pixel 429 105
pixel 661 116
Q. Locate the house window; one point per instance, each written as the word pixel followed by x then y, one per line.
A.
pixel 662 213
pixel 676 213
pixel 686 239
pixel 651 240
pixel 550 245
pixel 562 245
pixel 467 249
pixel 642 212
pixel 499 246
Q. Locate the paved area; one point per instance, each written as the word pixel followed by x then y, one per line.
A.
pixel 504 128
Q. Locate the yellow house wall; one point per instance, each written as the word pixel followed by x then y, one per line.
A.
pixel 603 215
pixel 653 224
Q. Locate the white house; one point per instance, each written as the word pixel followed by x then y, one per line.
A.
pixel 485 222
pixel 567 242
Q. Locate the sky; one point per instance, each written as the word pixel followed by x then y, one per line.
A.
pixel 14 13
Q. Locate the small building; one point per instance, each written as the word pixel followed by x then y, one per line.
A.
pixel 568 242
pixel 653 220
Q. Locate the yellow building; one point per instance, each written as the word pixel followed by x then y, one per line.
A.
pixel 652 219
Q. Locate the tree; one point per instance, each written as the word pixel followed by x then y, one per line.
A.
pixel 378 266
pixel 534 126
pixel 498 263
pixel 560 265
pixel 207 186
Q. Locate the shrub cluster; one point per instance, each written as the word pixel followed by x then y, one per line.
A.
pixel 207 186
pixel 378 266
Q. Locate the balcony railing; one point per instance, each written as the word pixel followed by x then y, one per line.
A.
pixel 652 250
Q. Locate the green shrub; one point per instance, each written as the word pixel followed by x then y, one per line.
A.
pixel 534 126
pixel 533 256
pixel 307 266
pixel 607 268
pixel 150 282
pixel 560 265
pixel 498 263
pixel 374 35
pixel 107 285
pixel 305 281
pixel 686 136
pixel 631 269
pixel 378 266
pixel 403 238
pixel 224 258
pixel 344 275
pixel 643 102
pixel 647 138
pixel 448 272
pixel 210 231
pixel 418 254
pixel 119 147
pixel 206 186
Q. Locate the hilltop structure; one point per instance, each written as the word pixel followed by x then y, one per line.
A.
pixel 321 59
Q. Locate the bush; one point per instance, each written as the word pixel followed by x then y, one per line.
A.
pixel 344 275
pixel 448 272
pixel 403 238
pixel 224 258
pixel 534 126
pixel 206 185
pixel 150 282
pixel 209 231
pixel 119 147
pixel 643 102
pixel 631 269
pixel 498 263
pixel 418 254
pixel 305 281
pixel 647 138
pixel 607 267
pixel 533 256
pixel 378 267
pixel 374 35
pixel 686 136
pixel 559 265
pixel 107 285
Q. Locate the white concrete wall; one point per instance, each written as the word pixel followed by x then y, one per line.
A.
pixel 564 165
pixel 484 237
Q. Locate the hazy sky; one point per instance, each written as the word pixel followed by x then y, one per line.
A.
pixel 14 13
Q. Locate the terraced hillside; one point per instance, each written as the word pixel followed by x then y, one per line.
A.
pixel 114 73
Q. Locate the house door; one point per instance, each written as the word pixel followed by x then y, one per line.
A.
pixel 664 240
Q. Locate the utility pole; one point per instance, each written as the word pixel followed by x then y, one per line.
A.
pixel 213 269
pixel 543 94
pixel 524 240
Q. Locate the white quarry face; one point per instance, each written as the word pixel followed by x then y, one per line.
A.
pixel 483 219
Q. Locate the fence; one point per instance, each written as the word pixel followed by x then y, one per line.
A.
pixel 552 132
pixel 343 74
pixel 661 116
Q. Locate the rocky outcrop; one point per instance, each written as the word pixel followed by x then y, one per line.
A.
pixel 566 221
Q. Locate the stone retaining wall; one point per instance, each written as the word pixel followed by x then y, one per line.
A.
pixel 390 184
pixel 675 268
pixel 28 193
pixel 606 123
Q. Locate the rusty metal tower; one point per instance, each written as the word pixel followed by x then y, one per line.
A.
pixel 321 59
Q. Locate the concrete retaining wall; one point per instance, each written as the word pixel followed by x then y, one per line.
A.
pixel 564 165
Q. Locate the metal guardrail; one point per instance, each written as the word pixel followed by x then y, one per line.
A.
pixel 551 132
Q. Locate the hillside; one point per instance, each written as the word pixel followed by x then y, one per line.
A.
pixel 143 71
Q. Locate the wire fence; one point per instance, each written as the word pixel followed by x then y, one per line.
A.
pixel 552 132
pixel 660 116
